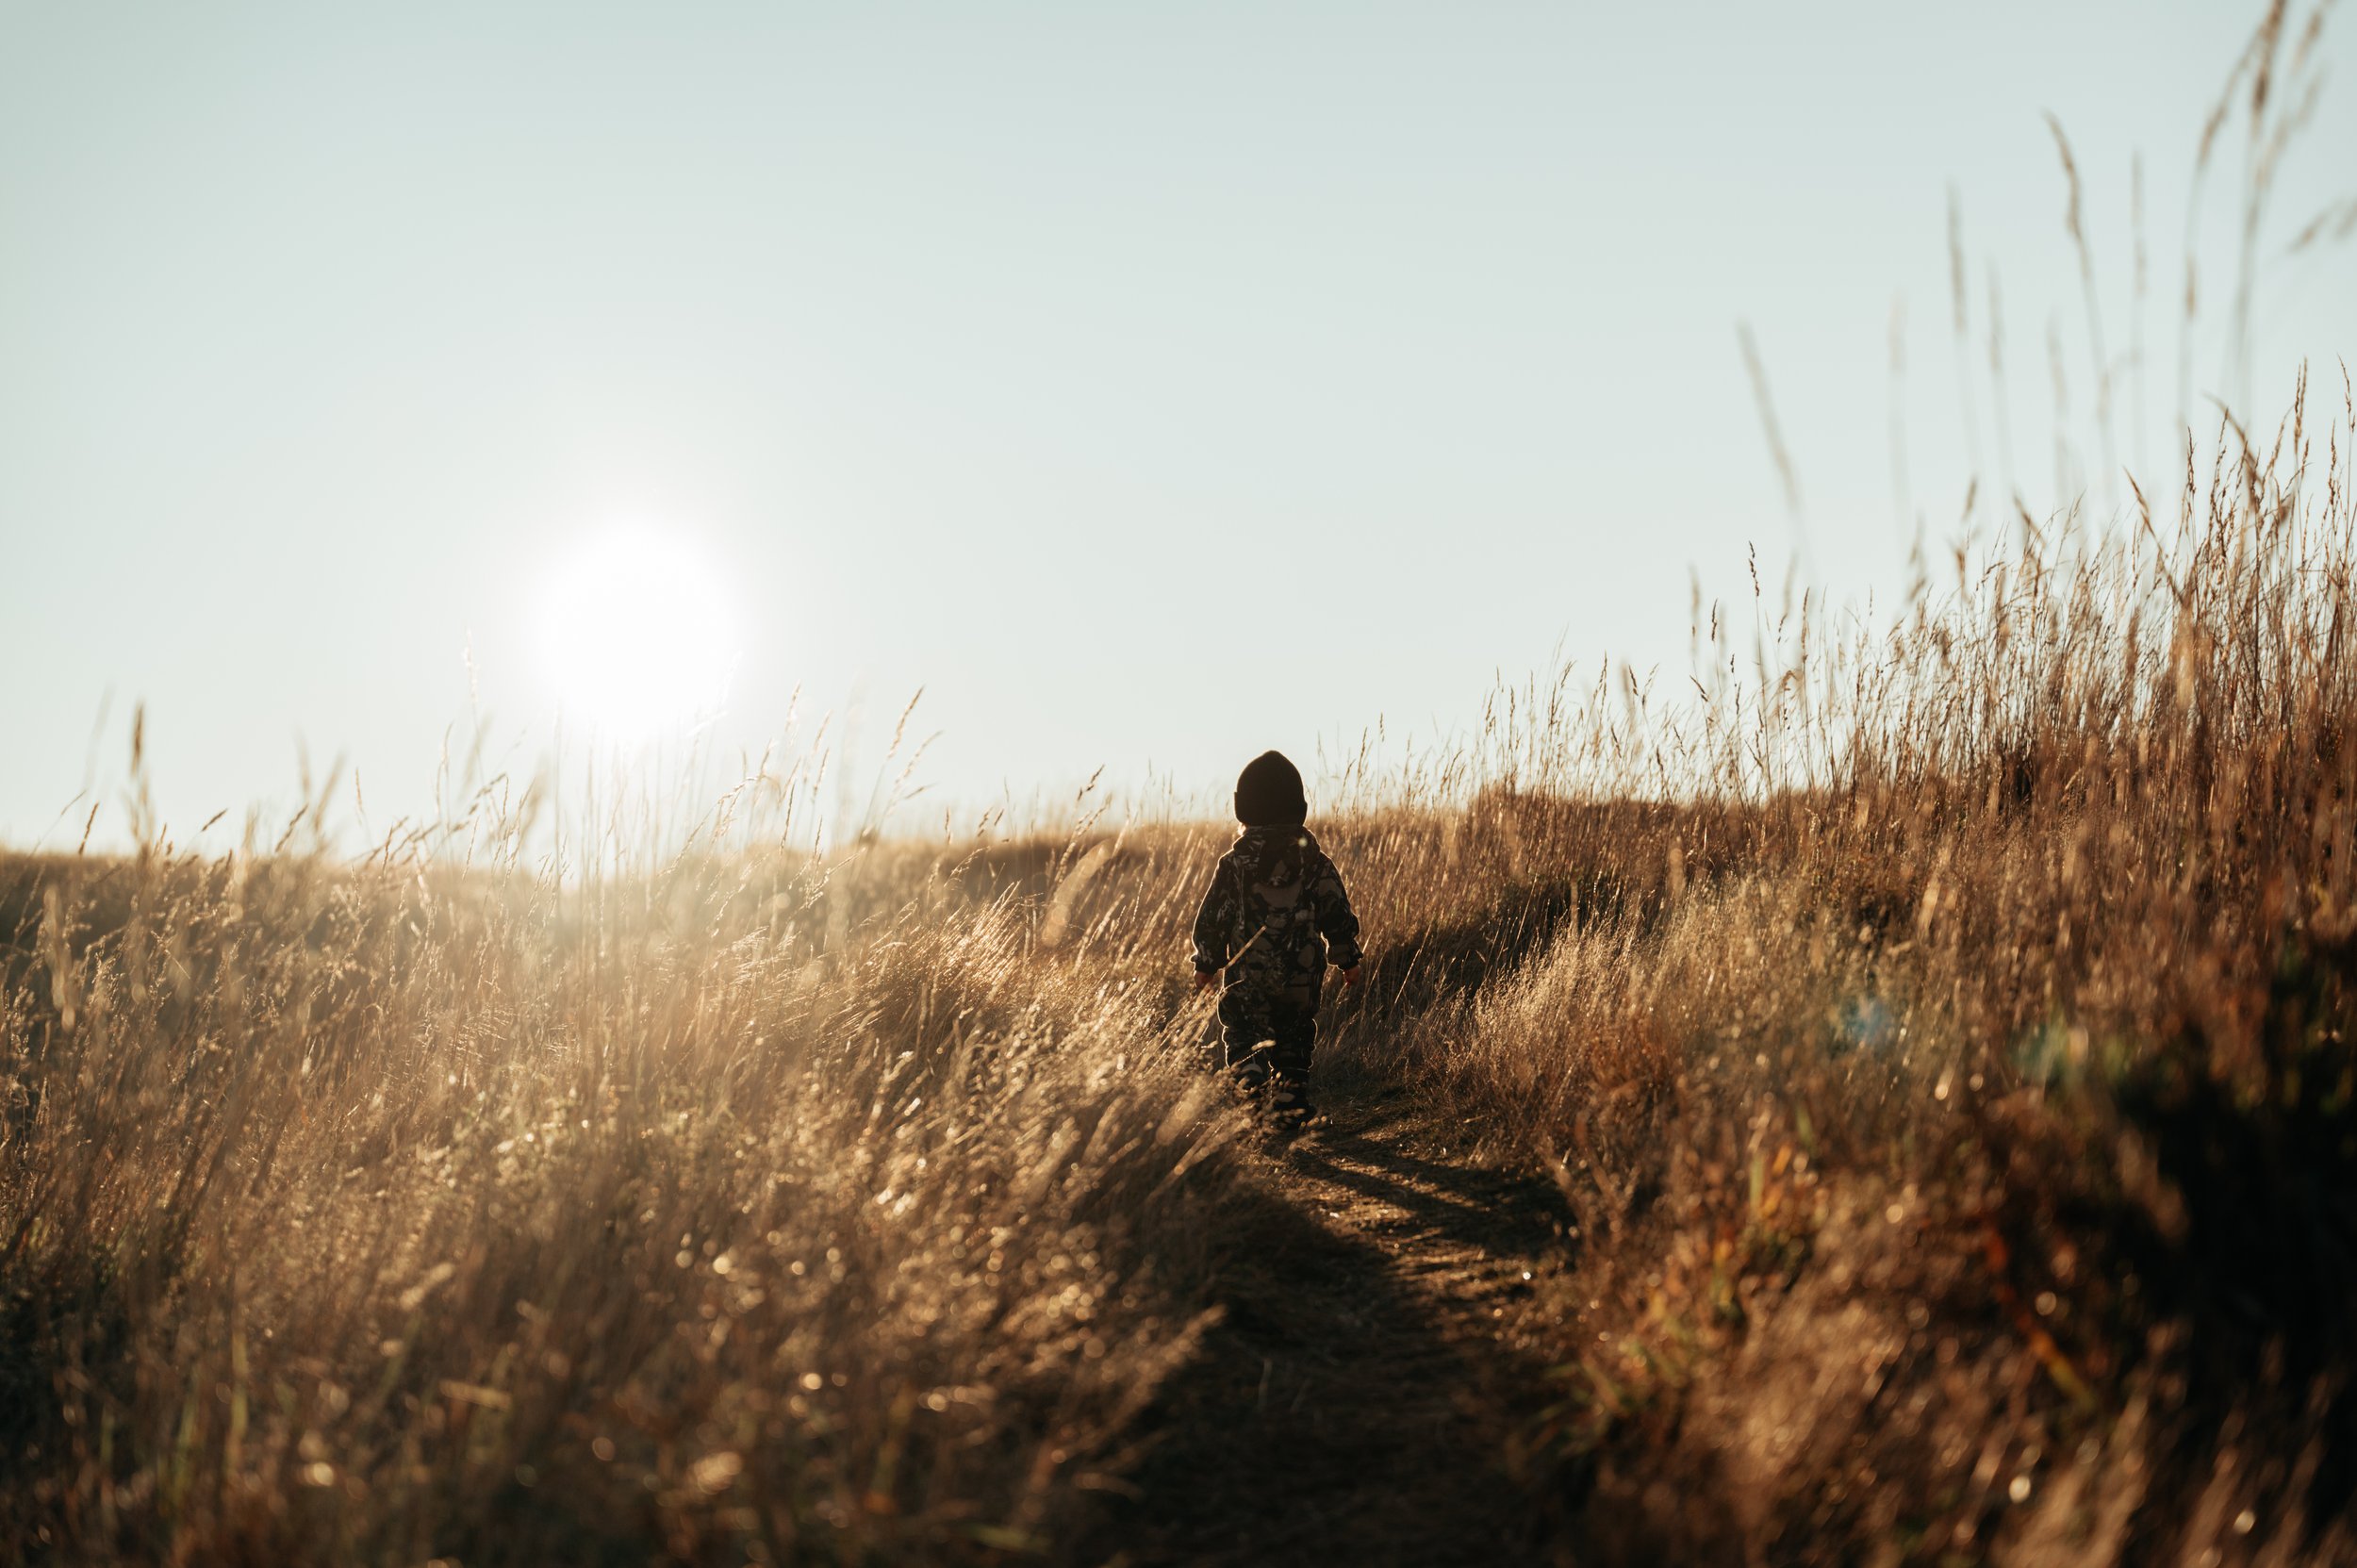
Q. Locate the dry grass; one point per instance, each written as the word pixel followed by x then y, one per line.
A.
pixel 381 1215
pixel 1946 1058
pixel 1958 1096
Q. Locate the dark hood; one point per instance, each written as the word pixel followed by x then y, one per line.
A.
pixel 1269 793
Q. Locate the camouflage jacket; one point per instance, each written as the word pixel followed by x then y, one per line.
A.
pixel 1276 914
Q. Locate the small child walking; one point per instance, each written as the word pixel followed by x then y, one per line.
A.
pixel 1274 917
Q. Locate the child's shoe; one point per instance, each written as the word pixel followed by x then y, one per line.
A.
pixel 1288 1109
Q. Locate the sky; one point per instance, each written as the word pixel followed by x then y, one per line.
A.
pixel 1148 384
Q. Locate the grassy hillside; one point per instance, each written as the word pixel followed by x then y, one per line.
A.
pixel 1945 1064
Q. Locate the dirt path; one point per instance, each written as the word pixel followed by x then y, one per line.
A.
pixel 1364 1401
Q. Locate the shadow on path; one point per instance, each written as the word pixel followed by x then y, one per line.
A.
pixel 1359 1404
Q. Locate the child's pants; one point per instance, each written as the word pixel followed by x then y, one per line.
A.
pixel 1268 1039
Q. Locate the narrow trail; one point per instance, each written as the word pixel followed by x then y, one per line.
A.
pixel 1366 1397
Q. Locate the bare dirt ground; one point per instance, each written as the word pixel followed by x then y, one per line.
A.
pixel 1367 1396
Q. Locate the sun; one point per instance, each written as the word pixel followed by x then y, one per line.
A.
pixel 638 635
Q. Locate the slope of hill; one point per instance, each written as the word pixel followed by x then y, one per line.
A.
pixel 1916 1083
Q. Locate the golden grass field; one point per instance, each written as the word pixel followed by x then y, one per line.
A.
pixel 1939 1073
pixel 1890 1100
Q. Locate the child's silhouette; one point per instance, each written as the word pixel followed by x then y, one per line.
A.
pixel 1274 917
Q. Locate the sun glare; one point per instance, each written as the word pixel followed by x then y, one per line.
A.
pixel 638 635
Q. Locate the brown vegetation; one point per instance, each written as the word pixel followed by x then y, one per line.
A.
pixel 1964 1131
pixel 1946 1084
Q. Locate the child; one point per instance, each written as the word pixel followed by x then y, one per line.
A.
pixel 1274 917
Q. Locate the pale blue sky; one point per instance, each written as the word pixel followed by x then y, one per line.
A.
pixel 1153 384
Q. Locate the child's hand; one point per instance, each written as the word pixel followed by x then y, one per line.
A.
pixel 1351 976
